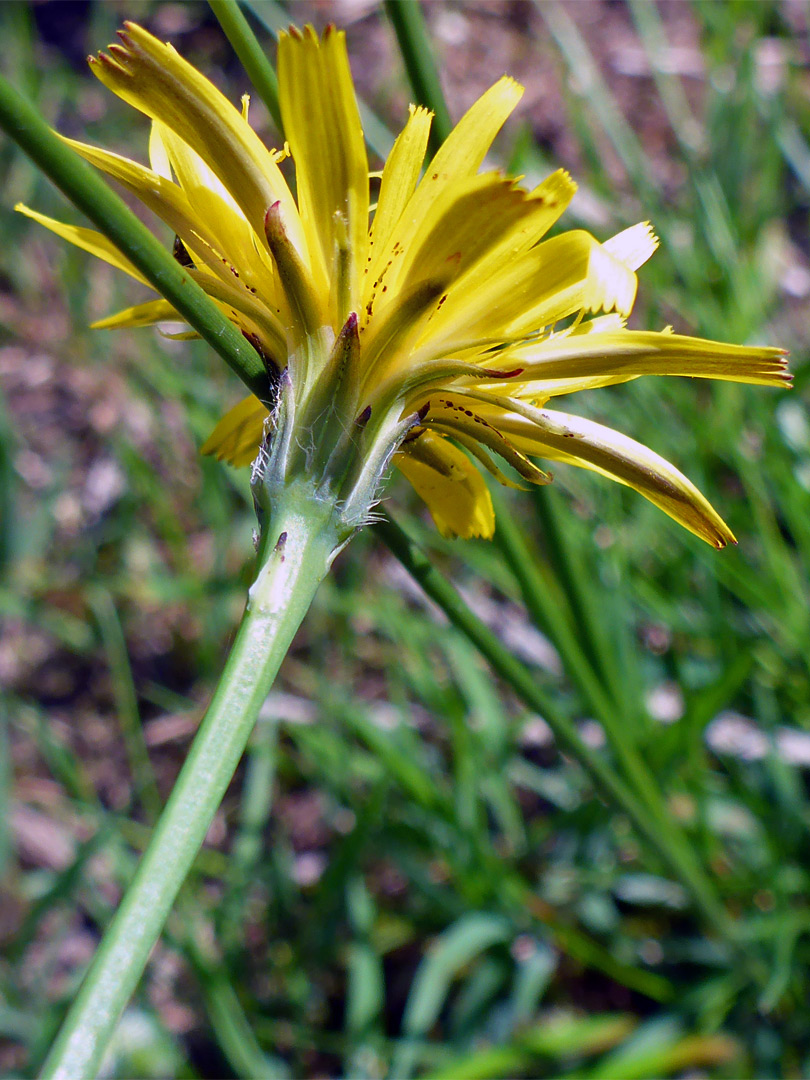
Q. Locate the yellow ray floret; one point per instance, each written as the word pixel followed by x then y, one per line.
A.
pixel 236 437
pixel 453 488
pixel 320 116
pixel 152 77
pixel 572 439
pixel 88 240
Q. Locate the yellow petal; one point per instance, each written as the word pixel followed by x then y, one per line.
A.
pixel 459 157
pixel 214 209
pixel 401 173
pixel 237 436
pixel 87 240
pixel 465 222
pixel 610 285
pixel 550 198
pixel 322 122
pixel 451 486
pixel 616 355
pixel 155 311
pixel 212 231
pixel 571 439
pixel 472 236
pixel 465 148
pixel 247 312
pixel 537 288
pixel 452 414
pixel 158 156
pixel 152 77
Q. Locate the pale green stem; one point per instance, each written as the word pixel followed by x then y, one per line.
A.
pixel 299 543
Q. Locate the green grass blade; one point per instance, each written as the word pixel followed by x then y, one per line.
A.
pixel 251 55
pixel 420 567
pixel 408 21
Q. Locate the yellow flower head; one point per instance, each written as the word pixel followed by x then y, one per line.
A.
pixel 434 327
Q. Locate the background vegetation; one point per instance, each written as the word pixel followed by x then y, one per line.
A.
pixel 407 877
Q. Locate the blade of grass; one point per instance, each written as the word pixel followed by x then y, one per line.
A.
pixel 601 102
pixel 557 1036
pixel 6 846
pixel 538 599
pixel 231 1027
pixel 254 813
pixel 487 871
pixel 679 113
pixel 588 610
pixel 126 700
pixel 519 678
pixel 251 55
pixel 458 946
pixel 408 21
pixel 547 604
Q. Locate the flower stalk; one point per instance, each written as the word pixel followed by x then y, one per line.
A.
pixel 299 541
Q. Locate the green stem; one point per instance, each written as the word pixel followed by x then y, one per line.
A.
pixel 547 605
pixel 412 33
pixel 584 599
pixel 247 48
pixel 299 543
pixel 525 685
pixel 91 194
pixel 126 700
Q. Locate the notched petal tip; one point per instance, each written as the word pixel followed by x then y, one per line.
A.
pixel 719 542
pixel 507 81
pixel 107 63
pixel 634 246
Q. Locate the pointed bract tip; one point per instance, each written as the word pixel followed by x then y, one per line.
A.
pixel 364 417
pixel 273 226
pixel 495 374
pixel 272 217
